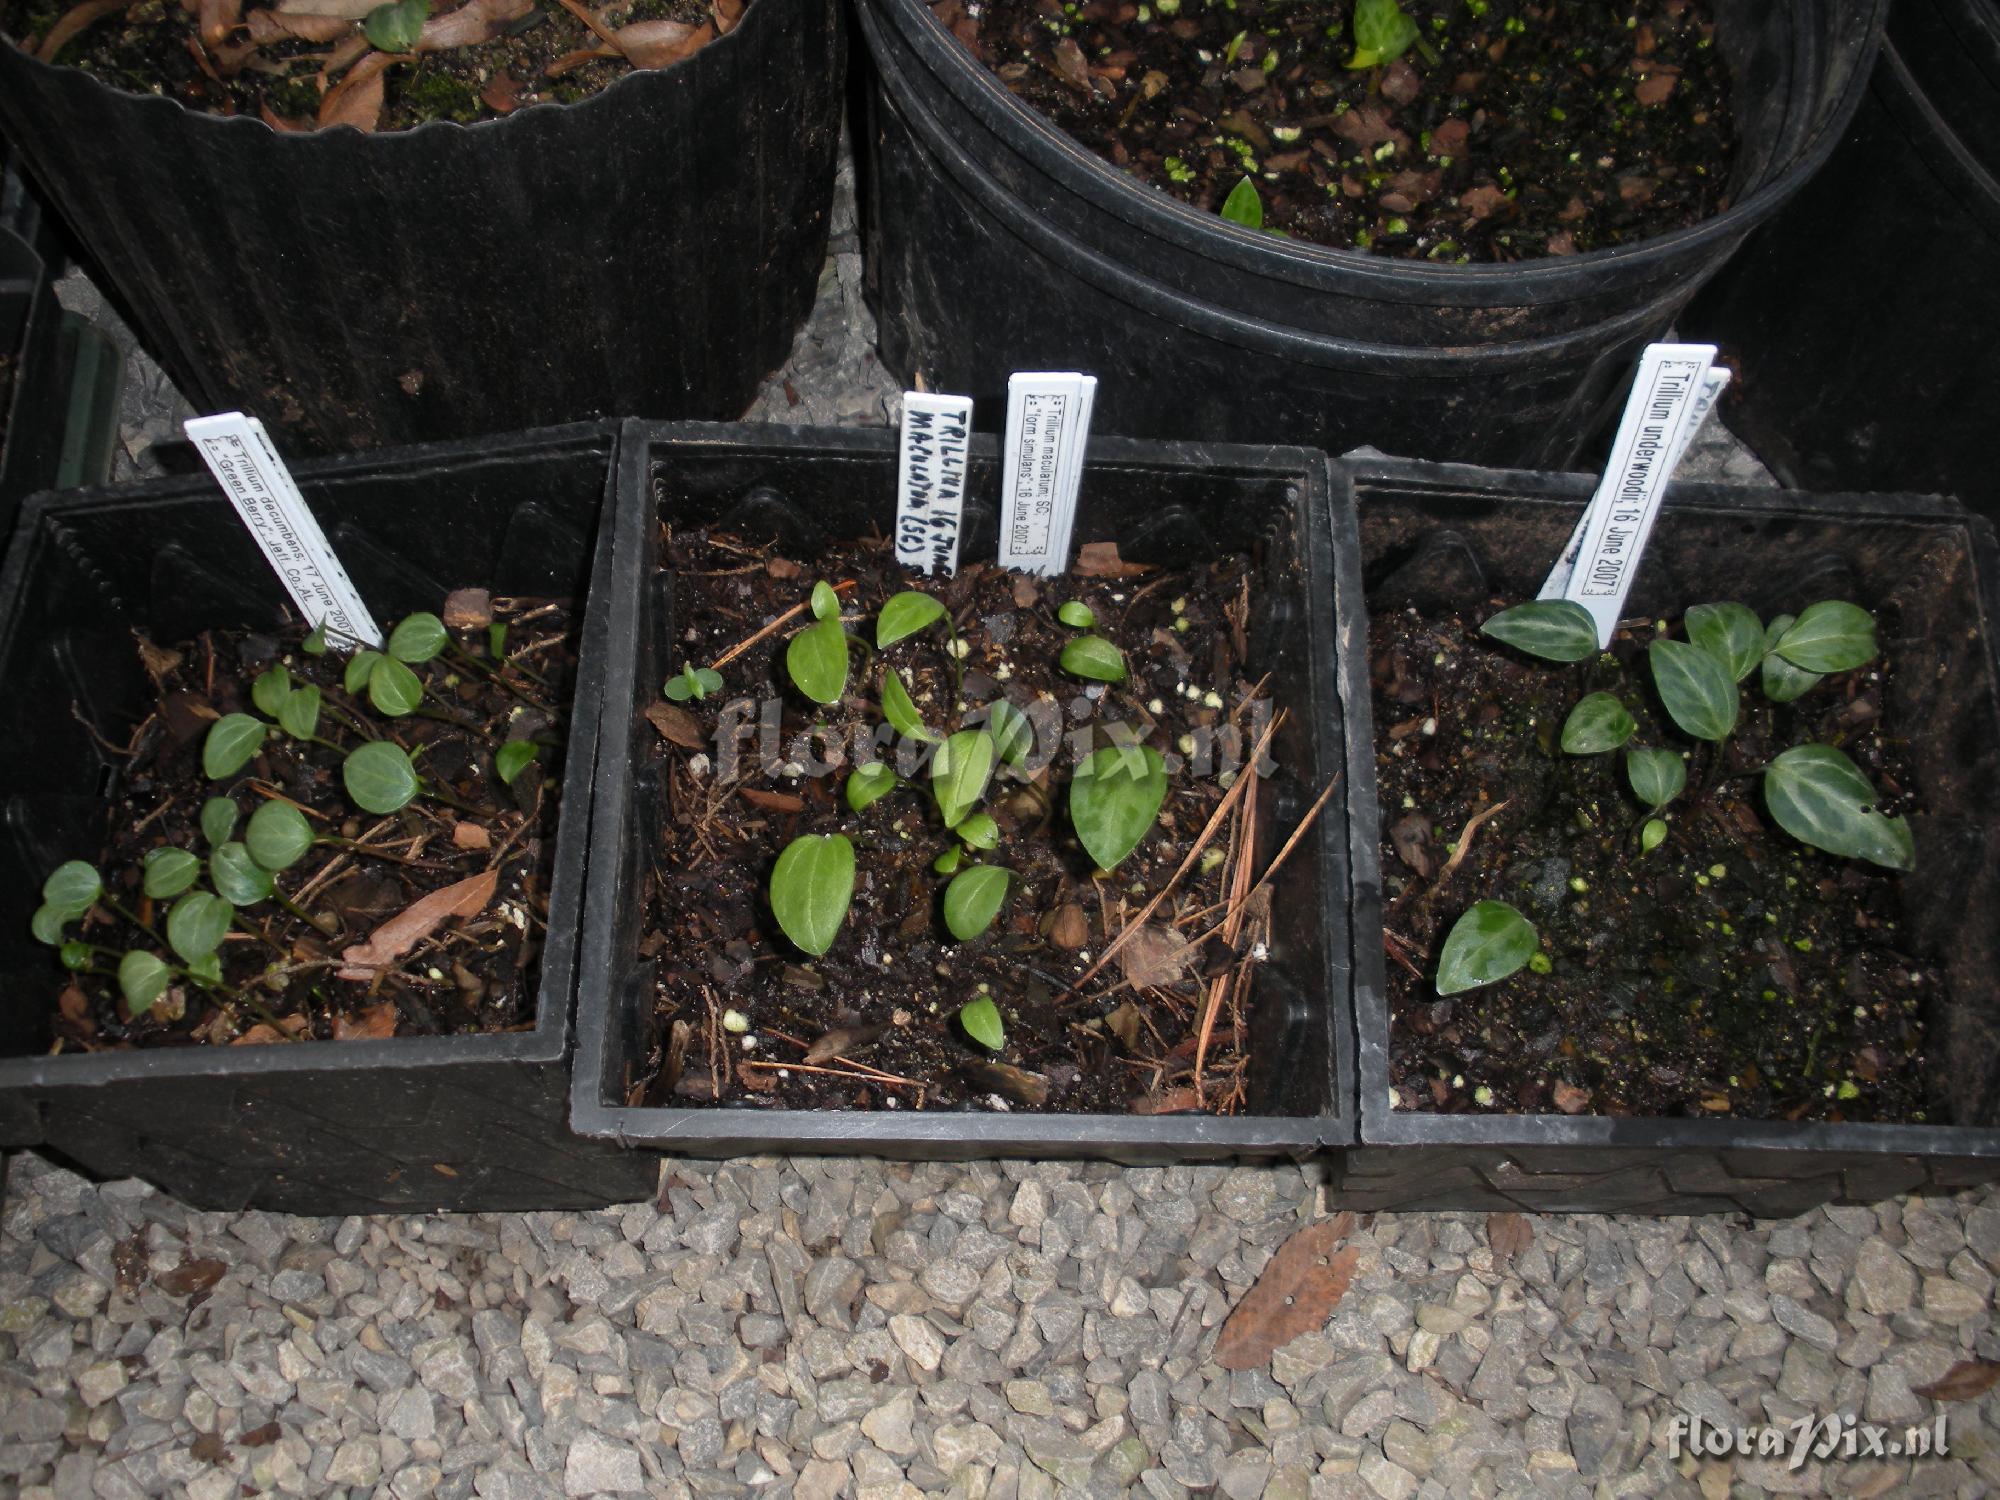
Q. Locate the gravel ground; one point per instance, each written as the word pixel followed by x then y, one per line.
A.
pixel 824 1328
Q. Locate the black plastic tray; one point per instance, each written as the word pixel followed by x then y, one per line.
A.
pixel 1769 549
pixel 1158 500
pixel 435 1123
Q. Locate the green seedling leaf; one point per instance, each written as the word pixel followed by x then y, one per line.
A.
pixel 1695 688
pixel 1114 800
pixel 359 666
pixel 693 682
pixel 1820 797
pixel 72 888
pixel 142 979
pixel 48 922
pixel 169 872
pixel 811 886
pixel 393 688
pixel 1487 944
pixel 1657 776
pixel 1382 33
pixel 1553 629
pixel 1731 633
pixel 315 642
pixel 959 773
pixel 237 878
pixel 1012 730
pixel 906 614
pixel 395 27
pixel 269 691
pixel 75 955
pixel 496 639
pixel 1783 682
pixel 981 1021
pixel 869 784
pixel 299 716
pixel 512 758
pixel 973 900
pixel 278 835
pixel 218 820
pixel 979 831
pixel 1242 206
pixel 1094 657
pixel 379 777
pixel 900 710
pixel 950 860
pixel 825 602
pixel 817 659
pixel 1598 723
pixel 197 924
pixel 1652 835
pixel 418 638
pixel 679 689
pixel 1831 636
pixel 707 680
pixel 206 970
pixel 232 741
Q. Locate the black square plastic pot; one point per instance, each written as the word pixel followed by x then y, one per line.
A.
pixel 1161 502
pixel 430 1123
pixel 1773 551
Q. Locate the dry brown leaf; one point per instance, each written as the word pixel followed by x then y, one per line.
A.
pixel 757 1080
pixel 1570 1099
pixel 660 44
pixel 1071 65
pixel 1509 1235
pixel 191 1276
pixel 74 1004
pixel 676 725
pixel 471 836
pixel 216 19
pixel 261 1437
pixel 346 51
pixel 73 23
pixel 374 1023
pixel 271 26
pixel 1172 1102
pixel 1070 927
pixel 283 124
pixel 357 99
pixel 727 13
pixel 209 1448
pixel 472 23
pixel 416 922
pixel 468 609
pixel 1101 560
pixel 778 802
pixel 157 660
pixel 1025 591
pixel 1296 1294
pixel 502 94
pixel 570 61
pixel 1654 89
pixel 1967 1380
pixel 841 1042
pixel 783 567
pixel 1123 1023
pixel 1154 955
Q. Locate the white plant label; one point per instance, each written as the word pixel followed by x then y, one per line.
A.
pixel 1652 435
pixel 1048 420
pixel 930 480
pixel 239 453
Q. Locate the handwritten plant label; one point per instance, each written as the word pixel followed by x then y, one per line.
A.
pixel 1048 421
pixel 930 480
pixel 238 452
pixel 1660 418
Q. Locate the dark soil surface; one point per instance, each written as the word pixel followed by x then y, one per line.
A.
pixel 1511 131
pixel 878 1011
pixel 154 47
pixel 281 975
pixel 1730 972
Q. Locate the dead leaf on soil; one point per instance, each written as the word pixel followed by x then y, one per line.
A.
pixel 1508 1234
pixel 1655 88
pixel 1296 1294
pixel 1124 1024
pixel 416 922
pixel 1025 591
pixel 216 19
pixel 727 13
pixel 1570 1099
pixel 261 1437
pixel 468 609
pixel 676 725
pixel 660 44
pixel 374 1023
pixel 777 802
pixel 1069 927
pixel 502 94
pixel 473 23
pixel 471 836
pixel 1172 1102
pixel 1071 65
pixel 272 26
pixel 210 1448
pixel 357 99
pixel 783 567
pixel 191 1276
pixel 841 1043
pixel 157 660
pixel 351 10
pixel 1101 560
pixel 1483 201
pixel 73 23
pixel 1967 1380
pixel 1154 955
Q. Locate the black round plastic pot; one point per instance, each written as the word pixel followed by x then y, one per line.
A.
pixel 1875 367
pixel 652 249
pixel 1201 328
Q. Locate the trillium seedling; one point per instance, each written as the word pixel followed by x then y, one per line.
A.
pixel 1488 943
pixel 1382 33
pixel 811 886
pixel 980 1020
pixel 1114 800
pixel 816 659
pixel 1094 657
pixel 905 615
pixel 692 682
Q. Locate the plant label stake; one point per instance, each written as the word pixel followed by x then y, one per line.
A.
pixel 930 480
pixel 239 453
pixel 1048 421
pixel 1674 392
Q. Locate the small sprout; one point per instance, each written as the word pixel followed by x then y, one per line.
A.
pixel 75 956
pixel 1114 800
pixel 900 710
pixel 1695 689
pixel 379 777
pixel 1578 884
pixel 1731 633
pixel 237 877
pixel 973 900
pixel 269 691
pixel 1831 636
pixel 218 820
pixel 905 615
pixel 142 979
pixel 277 835
pixel 1538 961
pixel 1094 657
pixel 1598 723
pixel 512 758
pixel 496 639
pixel 315 643
pixel 960 771
pixel 869 783
pixel 1483 1096
pixel 1848 1089
pixel 397 26
pixel 418 639
pixel 979 831
pixel 811 886
pixel 1012 730
pixel 735 1022
pixel 1077 615
pixel 1488 943
pixel 168 872
pixel 1244 206
pixel 1553 629
pixel 950 860
pixel 1820 797
pixel 393 688
pixel 1211 860
pixel 1656 776
pixel 232 741
pixel 1652 835
pixel 1382 33
pixel 298 716
pixel 816 659
pixel 197 924
pixel 980 1020
pixel 692 682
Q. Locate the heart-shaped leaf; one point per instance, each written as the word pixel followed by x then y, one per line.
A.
pixel 269 691
pixel 981 1020
pixel 1598 723
pixel 811 886
pixel 169 872
pixel 197 924
pixel 979 831
pixel 1657 776
pixel 315 642
pixel 904 615
pixel 278 835
pixel 1244 206
pixel 1012 730
pixel 1831 636
pixel 395 27
pixel 1695 688
pixel 142 979
pixel 1731 633
pixel 1382 32
pixel 1094 657
pixel 1487 944
pixel 973 900
pixel 218 820
pixel 1115 799
pixel 237 878
pixel 512 758
pixel 1076 614
pixel 960 770
pixel 232 740
pixel 418 638
pixel 393 688
pixel 868 784
pixel 359 667
pixel 47 924
pixel 900 710
pixel 379 777
pixel 72 887
pixel 825 603
pixel 1783 682
pixel 1820 797
pixel 298 716
pixel 1553 629
pixel 817 659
